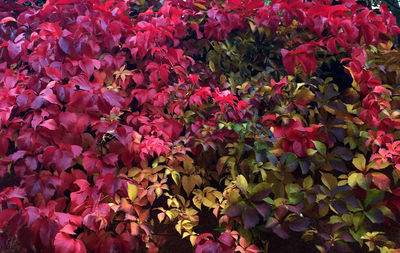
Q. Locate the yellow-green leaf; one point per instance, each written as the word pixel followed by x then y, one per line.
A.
pixel 132 191
pixel 200 6
pixel 364 181
pixel 374 166
pixel 193 239
pixel 241 183
pixel 329 180
pixel 176 177
pixel 359 162
pixel 320 147
pixel 211 65
pixel 308 183
pixel 353 179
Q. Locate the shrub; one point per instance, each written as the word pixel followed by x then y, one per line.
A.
pixel 117 116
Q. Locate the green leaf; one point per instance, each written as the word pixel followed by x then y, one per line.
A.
pixel 238 128
pixel 320 147
pixel 395 177
pixel 295 198
pixel 132 191
pixel 272 158
pixel 260 187
pixel 375 215
pixel 358 220
pixel 335 219
pixel 290 159
pixel 329 180
pixel 387 212
pixel 269 201
pixel 357 234
pixel 373 196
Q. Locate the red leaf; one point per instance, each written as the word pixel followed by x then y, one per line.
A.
pixel 52 99
pixel 80 99
pixel 308 62
pixel 63 243
pixel 331 45
pixel 380 180
pixel 53 73
pixel 201 238
pixel 53 29
pixel 208 246
pixel 226 239
pixel 253 4
pixel 4 143
pixel 87 66
pixel 253 249
pixel 172 127
pixel 110 159
pixel 144 95
pixel 79 197
pixel 289 61
pixel 82 82
pixel 69 229
pixel 5 216
pixel 89 162
pixel 48 231
pixel 113 98
pixel 299 149
pixel 66 244
pixel 138 78
pixel 164 73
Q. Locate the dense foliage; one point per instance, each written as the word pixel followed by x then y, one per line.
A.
pixel 117 116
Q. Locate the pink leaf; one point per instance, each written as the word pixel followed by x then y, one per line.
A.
pixel 7 19
pixel 50 124
pixel 138 78
pixel 14 49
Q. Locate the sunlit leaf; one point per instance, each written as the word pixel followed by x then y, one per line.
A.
pixel 132 191
pixel 359 162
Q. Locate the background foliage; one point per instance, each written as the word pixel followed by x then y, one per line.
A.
pixel 120 116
